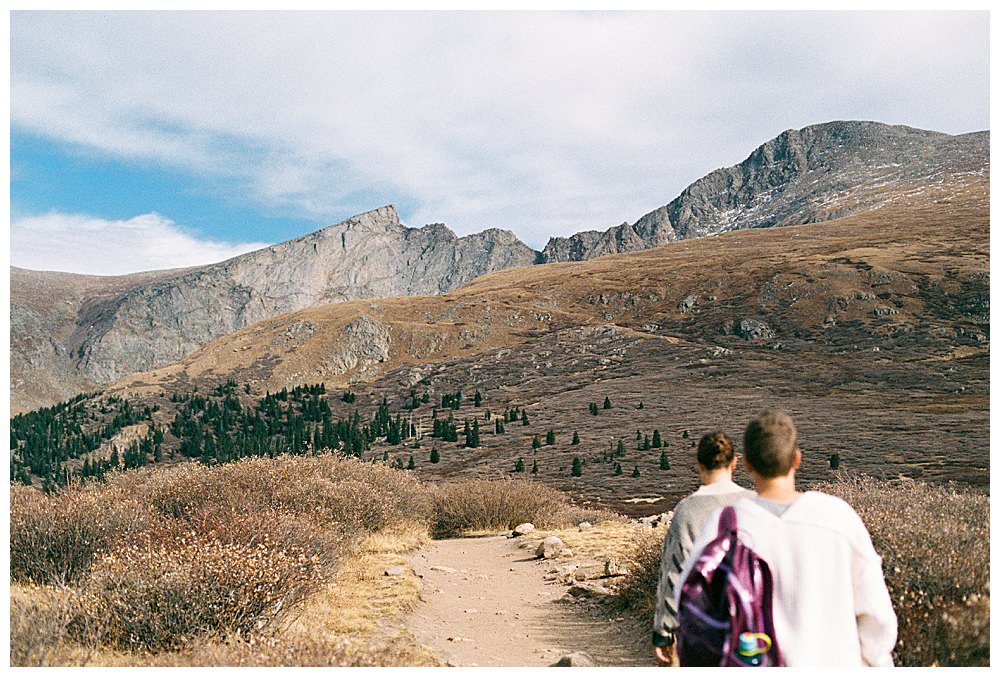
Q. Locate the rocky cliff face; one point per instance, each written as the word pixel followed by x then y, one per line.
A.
pixel 72 332
pixel 803 176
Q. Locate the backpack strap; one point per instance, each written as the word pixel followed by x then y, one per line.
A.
pixel 727 520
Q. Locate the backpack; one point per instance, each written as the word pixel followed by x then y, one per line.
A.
pixel 724 614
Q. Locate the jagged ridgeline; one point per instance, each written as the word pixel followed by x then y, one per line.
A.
pixel 104 329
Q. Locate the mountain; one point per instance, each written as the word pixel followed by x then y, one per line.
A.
pixel 814 174
pixel 101 333
pixel 872 330
pixel 100 330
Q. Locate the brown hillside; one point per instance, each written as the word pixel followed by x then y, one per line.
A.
pixel 875 338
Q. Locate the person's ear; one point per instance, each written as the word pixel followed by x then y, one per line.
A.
pixel 736 461
pixel 798 458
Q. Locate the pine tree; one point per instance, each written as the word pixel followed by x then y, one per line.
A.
pixel 576 438
pixel 645 443
pixel 479 399
pixel 638 436
pixel 664 461
pixel 593 409
pixel 468 434
pixel 657 440
pixel 640 405
pixel 524 418
pixel 621 448
pixel 577 469
pixel 607 403
pixel 534 468
pixel 618 468
pixel 685 434
pixel 635 473
pixel 535 442
pixel 519 466
pixel 411 465
pixel 475 433
pixel 550 438
pixel 435 455
pixel 834 461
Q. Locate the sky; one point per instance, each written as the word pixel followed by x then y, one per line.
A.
pixel 149 140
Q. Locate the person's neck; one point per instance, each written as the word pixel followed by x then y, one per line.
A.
pixel 716 476
pixel 779 489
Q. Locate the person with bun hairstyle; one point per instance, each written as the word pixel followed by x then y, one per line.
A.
pixel 716 463
pixel 830 603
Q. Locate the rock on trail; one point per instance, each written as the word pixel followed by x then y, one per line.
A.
pixel 485 602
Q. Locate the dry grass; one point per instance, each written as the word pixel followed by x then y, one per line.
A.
pixel 473 506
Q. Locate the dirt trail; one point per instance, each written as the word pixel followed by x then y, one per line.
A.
pixel 485 602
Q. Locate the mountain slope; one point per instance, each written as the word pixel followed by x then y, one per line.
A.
pixel 96 332
pixel 802 176
pixel 158 320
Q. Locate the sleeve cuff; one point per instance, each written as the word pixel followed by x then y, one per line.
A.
pixel 660 639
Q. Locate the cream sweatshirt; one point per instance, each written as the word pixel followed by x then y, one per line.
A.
pixel 831 605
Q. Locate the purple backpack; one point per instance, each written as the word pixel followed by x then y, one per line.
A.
pixel 724 617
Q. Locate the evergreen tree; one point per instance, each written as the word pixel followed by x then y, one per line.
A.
pixel 645 443
pixel 685 434
pixel 435 455
pixel 657 440
pixel 535 442
pixel 607 403
pixel 640 405
pixel 834 461
pixel 468 434
pixel 638 436
pixel 618 468
pixel 593 409
pixel 621 448
pixel 577 469
pixel 635 473
pixel 524 417
pixel 664 461
pixel 519 466
pixel 534 468
pixel 411 465
pixel 479 399
pixel 475 433
pixel 576 438
pixel 550 438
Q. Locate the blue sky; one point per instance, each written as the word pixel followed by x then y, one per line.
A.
pixel 155 140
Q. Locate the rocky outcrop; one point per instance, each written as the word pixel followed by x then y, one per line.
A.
pixel 368 256
pixel 803 176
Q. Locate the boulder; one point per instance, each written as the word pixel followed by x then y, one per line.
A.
pixel 396 571
pixel 577 659
pixel 550 547
pixel 583 526
pixel 752 330
pixel 523 529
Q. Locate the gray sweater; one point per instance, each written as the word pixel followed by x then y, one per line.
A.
pixel 689 518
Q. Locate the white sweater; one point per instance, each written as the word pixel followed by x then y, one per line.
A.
pixel 831 605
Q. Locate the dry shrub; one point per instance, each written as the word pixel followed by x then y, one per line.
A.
pixel 483 505
pixel 39 618
pixel 155 596
pixel 935 548
pixel 55 537
pixel 343 492
pixel 637 591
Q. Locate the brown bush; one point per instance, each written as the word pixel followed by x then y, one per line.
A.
pixel 935 548
pixel 483 505
pixel 637 591
pixel 55 537
pixel 156 596
pixel 343 492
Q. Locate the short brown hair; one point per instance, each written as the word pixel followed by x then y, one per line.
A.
pixel 770 442
pixel 715 450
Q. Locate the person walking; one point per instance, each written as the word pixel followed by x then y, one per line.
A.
pixel 716 463
pixel 831 606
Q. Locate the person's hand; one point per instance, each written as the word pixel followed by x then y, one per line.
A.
pixel 666 654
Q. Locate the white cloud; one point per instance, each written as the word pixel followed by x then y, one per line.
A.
pixel 76 243
pixel 545 123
